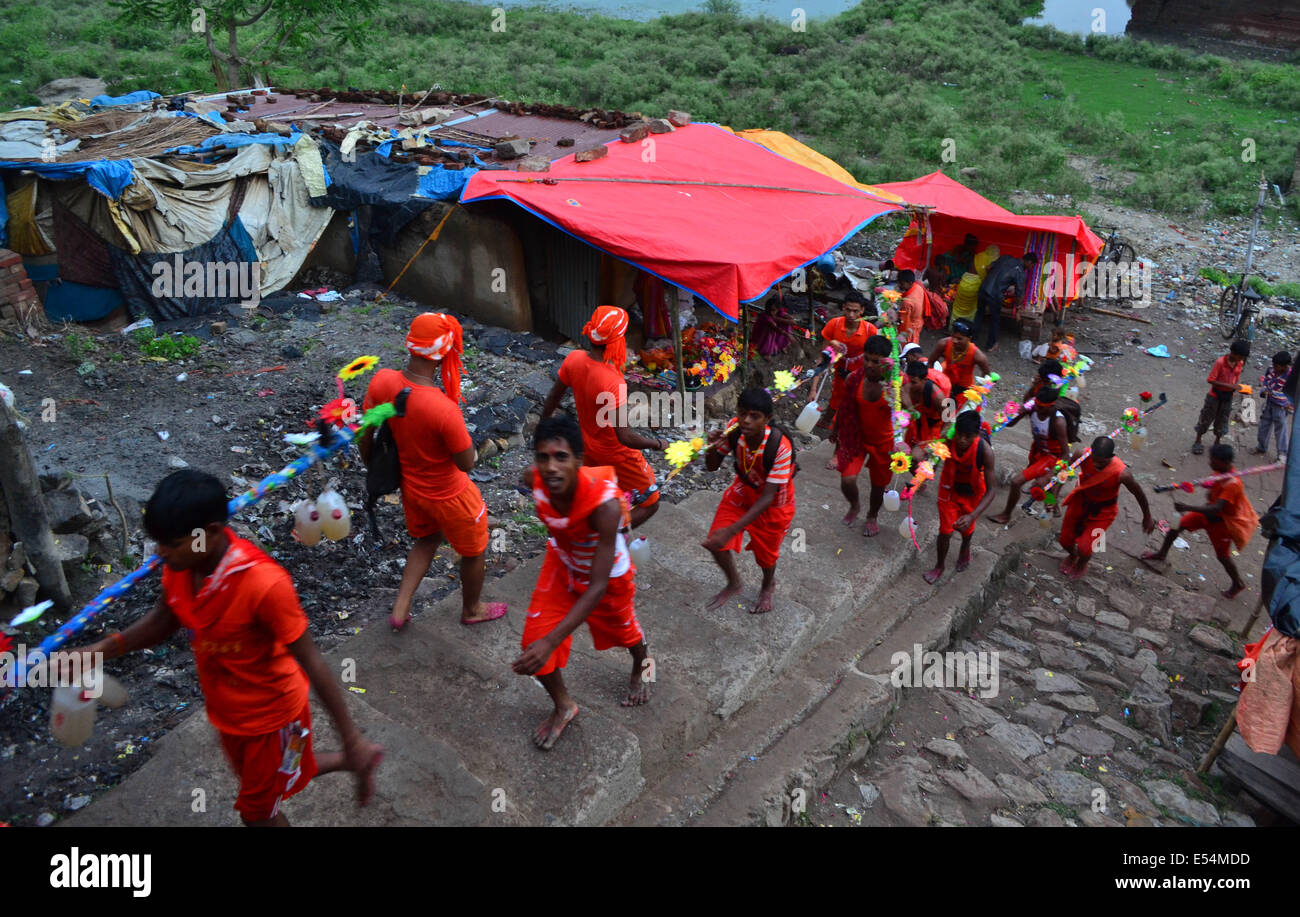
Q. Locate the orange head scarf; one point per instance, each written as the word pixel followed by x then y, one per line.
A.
pixel 607 326
pixel 437 337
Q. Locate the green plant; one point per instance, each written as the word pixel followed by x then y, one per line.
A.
pixel 171 347
pixel 79 346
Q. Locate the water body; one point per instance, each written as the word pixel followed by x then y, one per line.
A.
pixel 1109 17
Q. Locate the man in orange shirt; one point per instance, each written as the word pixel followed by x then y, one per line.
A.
pixel 600 396
pixel 587 575
pixel 251 646
pixel 911 309
pixel 1228 519
pixel 966 486
pixel 866 435
pixel 438 498
pixel 852 331
pixel 1224 378
pixel 960 359
pixel 1093 505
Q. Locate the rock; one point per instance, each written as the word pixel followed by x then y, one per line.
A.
pixel 972 712
pixel 1055 636
pixel 899 788
pixel 1101 678
pixel 291 352
pixel 1189 706
pixel 1060 657
pixel 565 142
pixel 679 118
pixel 634 132
pixel 1213 639
pixel 1067 787
pixel 1104 657
pixel 217 328
pixel 1151 709
pixel 1087 740
pixel 1019 790
pixel 1160 617
pixel 1018 623
pixel 1151 636
pixel 1112 725
pixel 1018 739
pixel 1120 642
pixel 487 450
pixel 1154 677
pixel 1079 703
pixel 869 794
pixel 1086 606
pixel 1003 638
pixel 1081 629
pixel 1195 606
pixel 77 802
pixel 1113 619
pixel 45 819
pixel 1001 821
pixel 1124 602
pixel 174 461
pixel 1046 818
pixel 1237 820
pixel 1131 761
pixel 534 164
pixel 1170 796
pixel 512 149
pixel 1055 683
pixel 974 786
pixel 65 89
pixel 67 510
pixel 1125 795
pixel 1044 720
pixel 25 594
pixel 947 749
pixel 1043 616
pixel 71 550
pixel 661 126
pixel 10 580
pixel 591 154
pixel 1091 819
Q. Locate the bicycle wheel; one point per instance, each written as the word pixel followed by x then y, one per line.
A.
pixel 1231 304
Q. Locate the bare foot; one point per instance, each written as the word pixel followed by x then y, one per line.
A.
pixel 1236 590
pixel 963 561
pixel 852 513
pixel 373 755
pixel 1066 567
pixel 638 690
pixel 831 465
pixel 764 603
pixel 717 601
pixel 548 733
pixel 1079 571
pixel 1000 518
pixel 869 528
pixel 932 577
pixel 485 611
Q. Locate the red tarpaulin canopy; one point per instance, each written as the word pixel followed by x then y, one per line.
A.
pixel 701 208
pixel 957 210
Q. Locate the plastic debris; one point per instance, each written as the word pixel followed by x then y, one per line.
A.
pixel 1160 350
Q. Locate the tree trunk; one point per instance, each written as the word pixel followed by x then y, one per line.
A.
pixel 31 526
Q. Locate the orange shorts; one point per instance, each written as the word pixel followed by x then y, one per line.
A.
pixel 461 520
pixel 1080 530
pixel 765 533
pixel 952 509
pixel 1039 466
pixel 612 622
pixel 1218 532
pixel 632 471
pixel 267 769
pixel 922 430
pixel 876 458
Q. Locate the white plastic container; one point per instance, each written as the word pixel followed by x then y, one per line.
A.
pixel 335 520
pixel 1138 439
pixel 72 716
pixel 639 548
pixel 114 694
pixel 307 526
pixel 907 528
pixel 808 417
pixel 892 501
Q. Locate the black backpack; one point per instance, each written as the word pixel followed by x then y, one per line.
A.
pixel 769 453
pixel 384 470
pixel 1073 416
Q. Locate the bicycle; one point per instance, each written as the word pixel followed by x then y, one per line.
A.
pixel 1238 307
pixel 1116 250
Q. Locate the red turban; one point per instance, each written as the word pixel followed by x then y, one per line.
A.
pixel 437 337
pixel 607 326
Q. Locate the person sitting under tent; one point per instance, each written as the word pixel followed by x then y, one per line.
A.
pixel 959 261
pixel 965 298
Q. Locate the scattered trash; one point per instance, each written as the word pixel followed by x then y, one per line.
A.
pixel 164 435
pixel 1160 350
pixel 182 377
pixel 1181 544
pixel 134 326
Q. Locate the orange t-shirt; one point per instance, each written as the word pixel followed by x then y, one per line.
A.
pixel 1222 371
pixel 834 331
pixel 242 620
pixel 598 390
pixel 1238 516
pixel 911 315
pixel 432 431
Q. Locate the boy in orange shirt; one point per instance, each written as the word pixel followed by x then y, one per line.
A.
pixel 1228 518
pixel 599 394
pixel 1093 506
pixel 1224 378
pixel 251 646
pixel 864 433
pixel 438 498
pixel 911 309
pixel 966 485
pixel 853 331
pixel 587 575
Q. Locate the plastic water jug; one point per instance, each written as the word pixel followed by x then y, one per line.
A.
pixel 1138 439
pixel 72 716
pixel 114 693
pixel 808 417
pixel 335 520
pixel 307 526
pixel 639 548
pixel 906 528
pixel 892 501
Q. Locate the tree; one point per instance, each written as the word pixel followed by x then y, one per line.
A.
pixel 273 24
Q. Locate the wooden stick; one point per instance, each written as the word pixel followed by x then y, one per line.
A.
pixel 1111 312
pixel 113 500
pixel 1224 735
pixel 346 114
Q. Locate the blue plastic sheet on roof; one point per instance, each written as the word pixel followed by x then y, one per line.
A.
pixel 231 141
pixel 131 98
pixel 110 177
pixel 444 184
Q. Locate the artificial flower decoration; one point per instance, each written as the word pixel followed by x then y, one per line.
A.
pixel 358 367
pixel 940 451
pixel 891 295
pixel 1188 486
pixel 1146 396
pixel 925 470
pixel 681 453
pixel 341 412
pixel 1037 493
pixel 902 419
pixel 1000 417
pixel 974 395
pixel 1049 499
pixel 782 380
pixel 900 462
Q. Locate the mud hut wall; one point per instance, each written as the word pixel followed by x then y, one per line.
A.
pixel 333 250
pixel 475 266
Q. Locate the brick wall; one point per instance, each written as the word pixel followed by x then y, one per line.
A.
pixel 18 299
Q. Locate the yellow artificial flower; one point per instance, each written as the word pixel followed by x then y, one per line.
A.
pixel 681 454
pixel 973 396
pixel 358 367
pixel 697 444
pixel 900 462
pixel 782 380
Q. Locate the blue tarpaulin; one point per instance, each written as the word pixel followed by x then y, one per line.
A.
pixel 444 184
pixel 107 176
pixel 232 141
pixel 131 98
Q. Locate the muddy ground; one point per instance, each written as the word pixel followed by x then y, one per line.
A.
pixel 262 378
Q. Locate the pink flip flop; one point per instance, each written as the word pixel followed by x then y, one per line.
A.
pixel 495 610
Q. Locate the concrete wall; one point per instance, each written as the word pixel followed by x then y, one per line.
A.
pixel 456 271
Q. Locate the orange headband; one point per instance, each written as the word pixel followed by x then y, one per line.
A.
pixel 438 337
pixel 607 326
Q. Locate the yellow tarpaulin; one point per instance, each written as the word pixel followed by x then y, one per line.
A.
pixel 787 146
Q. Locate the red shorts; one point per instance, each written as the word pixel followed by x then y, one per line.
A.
pixel 765 533
pixel 1040 466
pixel 922 430
pixel 631 470
pixel 953 508
pixel 1218 532
pixel 1079 530
pixel 877 460
pixel 461 520
pixel 612 623
pixel 267 770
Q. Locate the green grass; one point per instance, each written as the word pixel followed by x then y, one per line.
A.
pixel 79 346
pixel 169 347
pixel 869 91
